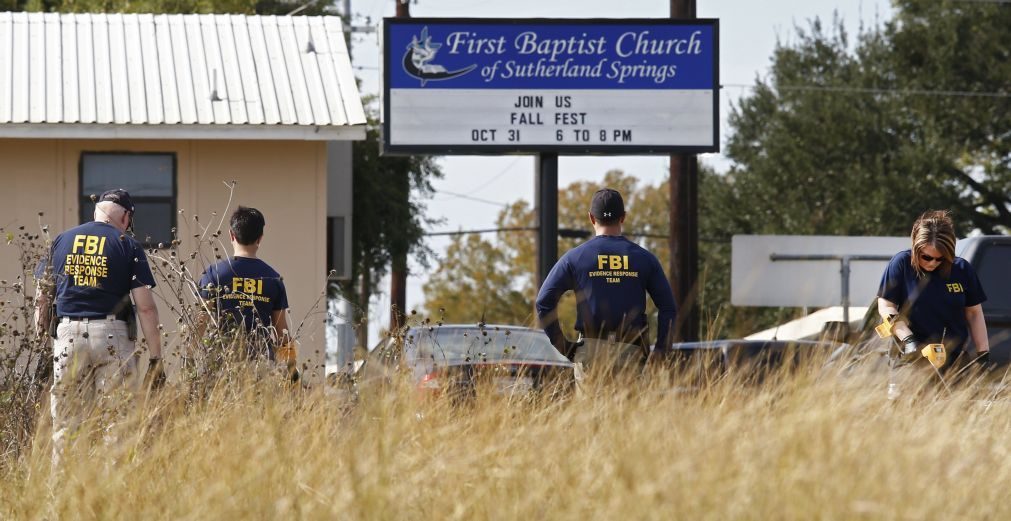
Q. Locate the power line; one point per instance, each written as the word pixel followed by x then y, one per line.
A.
pixel 859 90
pixel 485 230
pixel 470 198
pixel 494 178
pixel 566 233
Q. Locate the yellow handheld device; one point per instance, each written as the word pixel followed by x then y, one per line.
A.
pixel 935 353
pixel 884 330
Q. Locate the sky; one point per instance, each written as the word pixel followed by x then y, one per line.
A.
pixel 476 188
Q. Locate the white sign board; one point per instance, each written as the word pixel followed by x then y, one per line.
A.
pixel 541 85
pixel 757 280
pixel 552 118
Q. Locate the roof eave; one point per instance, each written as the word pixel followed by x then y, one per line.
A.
pixel 180 131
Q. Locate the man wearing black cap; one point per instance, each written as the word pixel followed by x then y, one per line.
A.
pixel 92 272
pixel 610 276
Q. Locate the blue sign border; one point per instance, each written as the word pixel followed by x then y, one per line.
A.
pixel 392 55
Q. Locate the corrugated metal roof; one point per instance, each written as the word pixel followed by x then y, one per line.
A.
pixel 176 76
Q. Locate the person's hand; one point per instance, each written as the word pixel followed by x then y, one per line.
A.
pixel 909 349
pixel 155 376
pixel 983 360
pixel 569 348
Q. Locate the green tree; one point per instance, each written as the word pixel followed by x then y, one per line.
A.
pixel 387 217
pixel 477 281
pixel 813 161
pixel 960 47
pixel 850 143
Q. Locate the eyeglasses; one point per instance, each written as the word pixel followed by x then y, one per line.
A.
pixel 928 258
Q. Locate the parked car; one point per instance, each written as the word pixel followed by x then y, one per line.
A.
pixel 460 359
pixel 991 256
pixel 749 359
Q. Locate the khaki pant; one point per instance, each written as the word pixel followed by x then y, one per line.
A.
pixel 94 362
pixel 600 356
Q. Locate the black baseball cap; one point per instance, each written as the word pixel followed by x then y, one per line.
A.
pixel 120 197
pixel 607 205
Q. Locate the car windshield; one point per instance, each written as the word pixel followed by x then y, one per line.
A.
pixel 490 344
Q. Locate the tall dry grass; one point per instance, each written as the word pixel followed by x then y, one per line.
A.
pixel 809 444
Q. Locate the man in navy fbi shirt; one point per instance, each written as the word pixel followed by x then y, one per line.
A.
pixel 245 290
pixel 611 276
pixel 92 272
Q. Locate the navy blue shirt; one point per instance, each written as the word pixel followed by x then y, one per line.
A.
pixel 610 276
pixel 246 288
pixel 95 266
pixel 934 304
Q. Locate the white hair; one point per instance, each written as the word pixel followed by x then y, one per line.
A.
pixel 108 210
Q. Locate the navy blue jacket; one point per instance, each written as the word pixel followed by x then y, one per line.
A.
pixel 95 267
pixel 610 276
pixel 934 304
pixel 249 289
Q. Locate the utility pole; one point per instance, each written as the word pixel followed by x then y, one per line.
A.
pixel 683 238
pixel 546 195
pixel 398 268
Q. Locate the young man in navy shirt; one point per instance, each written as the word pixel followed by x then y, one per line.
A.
pixel 92 272
pixel 611 276
pixel 243 291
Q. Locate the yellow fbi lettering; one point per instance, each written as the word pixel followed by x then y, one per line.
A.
pixel 89 244
pixel 613 262
pixel 247 286
pixel 87 264
pixel 247 291
pixel 955 287
pixel 613 268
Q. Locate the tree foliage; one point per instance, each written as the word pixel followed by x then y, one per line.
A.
pixel 850 143
pixel 477 280
pixel 961 47
pixel 387 218
pixel 388 215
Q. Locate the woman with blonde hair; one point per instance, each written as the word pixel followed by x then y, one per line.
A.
pixel 930 295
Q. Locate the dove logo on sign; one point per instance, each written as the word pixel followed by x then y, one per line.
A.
pixel 419 57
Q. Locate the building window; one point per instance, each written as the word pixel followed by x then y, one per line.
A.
pixel 149 177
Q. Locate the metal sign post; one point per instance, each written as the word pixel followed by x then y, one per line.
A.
pixel 547 214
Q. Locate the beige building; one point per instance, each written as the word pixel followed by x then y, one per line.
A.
pixel 174 108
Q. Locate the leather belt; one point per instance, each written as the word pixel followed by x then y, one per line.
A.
pixel 67 320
